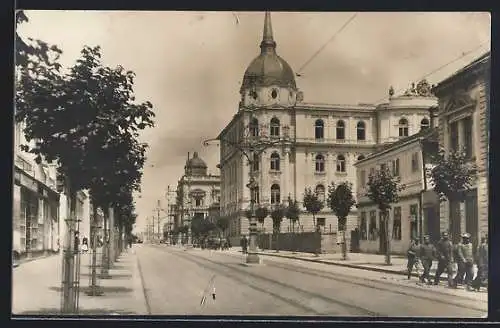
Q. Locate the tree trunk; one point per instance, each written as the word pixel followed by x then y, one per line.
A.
pixel 105 248
pixel 111 250
pixel 69 289
pixel 387 241
pixel 94 288
pixel 344 246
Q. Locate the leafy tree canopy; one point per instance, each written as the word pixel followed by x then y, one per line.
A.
pixel 341 200
pixel 222 223
pixel 452 175
pixel 384 188
pixel 292 211
pixel 311 202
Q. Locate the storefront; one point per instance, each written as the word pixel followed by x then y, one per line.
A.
pixel 35 215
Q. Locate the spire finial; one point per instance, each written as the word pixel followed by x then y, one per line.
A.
pixel 267 37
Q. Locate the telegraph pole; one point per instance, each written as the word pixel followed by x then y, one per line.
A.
pixel 158 219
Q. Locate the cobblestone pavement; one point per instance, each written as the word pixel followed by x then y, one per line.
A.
pixel 180 282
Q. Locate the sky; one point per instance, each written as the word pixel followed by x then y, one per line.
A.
pixel 190 65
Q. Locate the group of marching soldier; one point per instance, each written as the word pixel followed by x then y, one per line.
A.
pixel 448 256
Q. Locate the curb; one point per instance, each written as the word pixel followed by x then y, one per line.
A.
pixel 141 287
pixel 353 266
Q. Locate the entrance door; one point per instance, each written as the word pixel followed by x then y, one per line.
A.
pixel 432 223
pixel 471 219
pixel 382 234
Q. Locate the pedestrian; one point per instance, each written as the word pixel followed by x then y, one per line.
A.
pixel 444 250
pixel 427 253
pixel 244 244
pixel 412 255
pixel 465 261
pixel 482 265
pixel 85 245
pixel 457 267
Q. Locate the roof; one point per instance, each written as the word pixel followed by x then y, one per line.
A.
pixel 268 68
pixel 428 134
pixel 484 58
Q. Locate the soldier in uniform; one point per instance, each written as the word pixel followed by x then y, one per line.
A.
pixel 482 265
pixel 465 261
pixel 427 253
pixel 412 255
pixel 444 250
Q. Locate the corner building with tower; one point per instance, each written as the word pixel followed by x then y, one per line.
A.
pixel 313 144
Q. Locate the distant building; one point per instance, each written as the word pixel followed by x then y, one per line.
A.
pixel 464 107
pixel 197 191
pixel 417 211
pixel 316 143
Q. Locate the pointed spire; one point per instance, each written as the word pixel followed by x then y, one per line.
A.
pixel 268 44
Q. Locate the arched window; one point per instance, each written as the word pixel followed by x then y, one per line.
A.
pixel 403 127
pixel 361 157
pixel 340 163
pixel 320 163
pixel 320 191
pixel 275 162
pixel 424 124
pixel 340 130
pixel 255 162
pixel 275 127
pixel 275 194
pixel 254 127
pixel 318 129
pixel 361 130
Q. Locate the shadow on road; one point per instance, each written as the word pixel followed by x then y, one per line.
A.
pixel 83 312
pixel 117 276
pixel 104 289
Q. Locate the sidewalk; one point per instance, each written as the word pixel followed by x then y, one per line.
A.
pixel 36 287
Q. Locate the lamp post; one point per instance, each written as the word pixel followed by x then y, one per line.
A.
pixel 252 145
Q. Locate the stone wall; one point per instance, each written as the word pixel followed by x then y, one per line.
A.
pixel 307 242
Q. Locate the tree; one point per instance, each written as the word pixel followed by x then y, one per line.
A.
pixel 277 214
pixel 341 200
pixel 223 224
pixel 452 175
pixel 292 212
pixel 383 190
pixel 312 204
pixel 261 213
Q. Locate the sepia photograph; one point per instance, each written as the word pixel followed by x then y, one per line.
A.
pixel 245 163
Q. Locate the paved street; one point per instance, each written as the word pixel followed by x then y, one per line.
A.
pixel 176 282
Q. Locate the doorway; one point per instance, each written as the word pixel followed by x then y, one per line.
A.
pixel 471 218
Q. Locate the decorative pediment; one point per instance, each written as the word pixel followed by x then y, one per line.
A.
pixel 458 101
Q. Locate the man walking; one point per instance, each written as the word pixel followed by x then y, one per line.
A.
pixel 465 262
pixel 427 253
pixel 444 250
pixel 482 265
pixel 412 255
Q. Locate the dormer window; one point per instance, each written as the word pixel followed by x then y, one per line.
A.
pixel 403 127
pixel 274 93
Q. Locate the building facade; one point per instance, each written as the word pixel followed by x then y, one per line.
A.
pixel 35 219
pixel 197 191
pixel 464 124
pixel 313 145
pixel 417 211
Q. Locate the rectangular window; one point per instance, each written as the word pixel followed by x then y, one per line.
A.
pixel 414 162
pixel 373 225
pixel 468 145
pixel 454 136
pixel 320 222
pixel 198 202
pixel 362 228
pixel 396 224
pixel 362 178
pixel 414 221
pixel 395 167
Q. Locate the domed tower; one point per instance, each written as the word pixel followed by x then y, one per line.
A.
pixel 195 166
pixel 269 80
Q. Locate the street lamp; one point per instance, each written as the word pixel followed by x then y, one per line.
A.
pixel 252 146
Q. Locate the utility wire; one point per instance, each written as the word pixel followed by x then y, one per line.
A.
pixel 326 43
pixel 442 66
